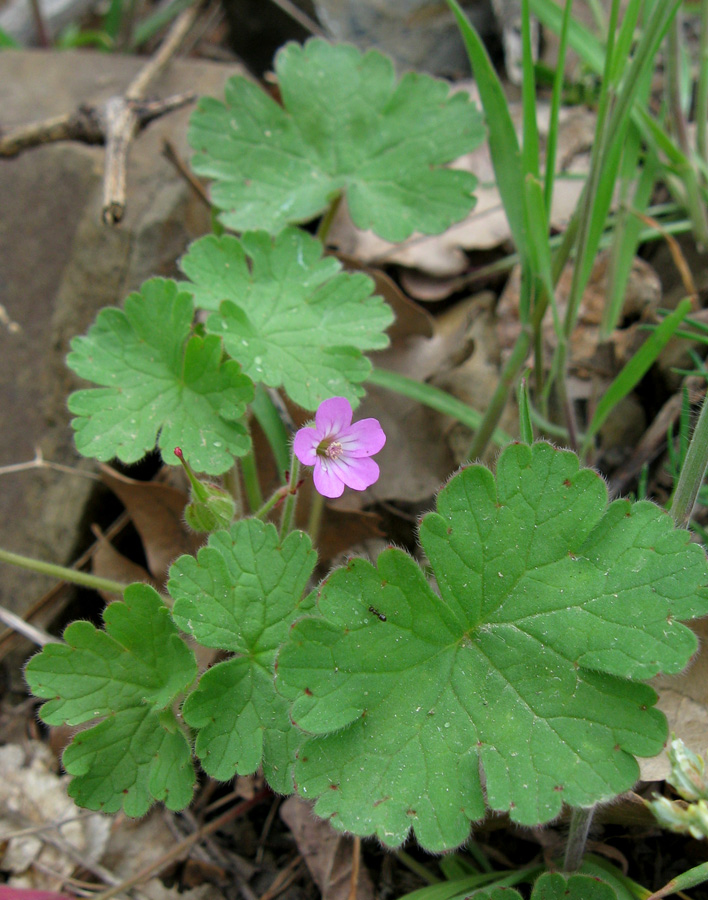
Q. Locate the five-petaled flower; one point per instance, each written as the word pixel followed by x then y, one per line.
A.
pixel 338 450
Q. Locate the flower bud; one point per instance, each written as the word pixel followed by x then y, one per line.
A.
pixel 210 507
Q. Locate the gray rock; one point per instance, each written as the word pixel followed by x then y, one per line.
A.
pixel 59 265
pixel 417 34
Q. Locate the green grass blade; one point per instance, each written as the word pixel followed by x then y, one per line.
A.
pixel 113 19
pixel 525 426
pixel 530 152
pixel 636 368
pixel 552 142
pixel 503 143
pixel 275 431
pixel 434 398
pixel 588 47
pixel 689 879
pixel 628 228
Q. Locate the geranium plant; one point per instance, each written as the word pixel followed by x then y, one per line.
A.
pixel 508 673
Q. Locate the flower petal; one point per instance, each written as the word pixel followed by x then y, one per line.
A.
pixel 363 438
pixel 305 446
pixel 358 474
pixel 333 416
pixel 327 480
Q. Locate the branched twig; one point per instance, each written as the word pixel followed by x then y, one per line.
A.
pixel 114 123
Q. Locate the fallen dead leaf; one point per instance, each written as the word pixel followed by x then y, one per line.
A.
pixel 328 854
pixel 684 701
pixel 157 511
pixel 107 562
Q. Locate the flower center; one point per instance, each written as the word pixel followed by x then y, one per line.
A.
pixel 329 449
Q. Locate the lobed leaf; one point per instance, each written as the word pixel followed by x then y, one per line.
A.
pixel 555 886
pixel 517 686
pixel 288 315
pixel 156 379
pixel 128 675
pixel 241 594
pixel 346 126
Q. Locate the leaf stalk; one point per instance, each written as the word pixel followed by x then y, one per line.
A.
pixel 63 573
pixel 580 821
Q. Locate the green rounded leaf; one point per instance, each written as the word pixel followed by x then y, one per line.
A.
pixel 158 378
pixel 128 675
pixel 517 686
pixel 347 126
pixel 555 886
pixel 242 593
pixel 289 316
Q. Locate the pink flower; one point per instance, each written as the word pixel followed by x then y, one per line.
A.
pixel 338 450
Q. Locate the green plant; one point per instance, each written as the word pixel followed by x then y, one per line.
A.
pixel 382 694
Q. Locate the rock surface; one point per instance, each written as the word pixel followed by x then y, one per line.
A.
pixel 59 265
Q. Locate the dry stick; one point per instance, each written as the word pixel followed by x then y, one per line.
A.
pixel 84 125
pixel 114 124
pixel 182 848
pixel 123 119
pixel 172 156
pixel 124 115
pixel 40 25
pixel 299 16
pixel 677 256
pixel 31 632
pixel 283 879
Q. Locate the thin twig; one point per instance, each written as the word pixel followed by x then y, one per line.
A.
pixel 289 8
pixel 125 116
pixel 170 153
pixel 179 850
pixel 40 24
pixel 283 879
pixel 48 826
pixel 39 462
pixel 83 125
pixel 677 256
pixel 114 123
pixel 167 49
pixel 37 635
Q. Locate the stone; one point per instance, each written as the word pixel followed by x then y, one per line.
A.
pixel 59 265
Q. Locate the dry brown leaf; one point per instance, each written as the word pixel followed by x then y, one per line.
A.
pixel 409 319
pixel 107 562
pixel 327 853
pixel 684 701
pixel 415 460
pixel 157 511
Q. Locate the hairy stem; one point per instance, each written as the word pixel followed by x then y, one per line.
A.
pixel 63 573
pixel 580 821
pixel 286 523
pixel 251 484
